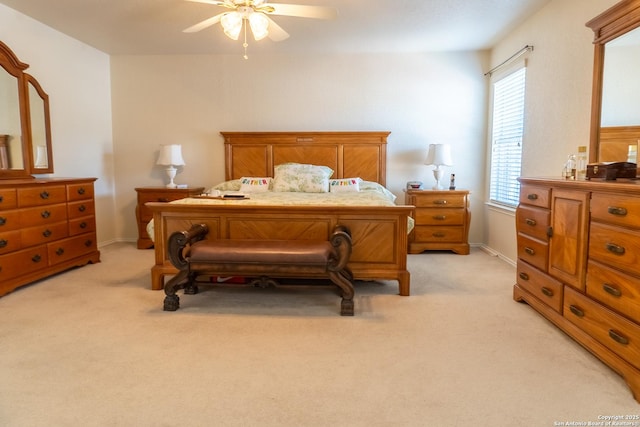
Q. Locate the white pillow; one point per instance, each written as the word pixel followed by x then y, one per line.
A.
pixel 233 185
pixel 254 185
pixel 344 185
pixel 297 177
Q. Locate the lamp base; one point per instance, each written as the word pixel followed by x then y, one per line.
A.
pixel 437 174
pixel 171 173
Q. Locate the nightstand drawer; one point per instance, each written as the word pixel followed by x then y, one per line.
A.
pixel 440 216
pixel 533 251
pixel 438 234
pixel 439 199
pixel 533 221
pixel 613 331
pixel 540 285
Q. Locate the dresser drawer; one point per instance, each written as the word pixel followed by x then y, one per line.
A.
pixel 615 247
pixel 82 225
pixel 10 241
pixel 615 289
pixel 540 285
pixel 613 331
pixel 9 220
pixel 40 234
pixel 80 191
pixel 535 196
pixel 615 209
pixel 533 221
pixel 22 262
pixel 8 198
pixel 81 208
pixel 64 250
pixel 533 251
pixel 440 199
pixel 438 234
pixel 42 195
pixel 43 215
pixel 440 216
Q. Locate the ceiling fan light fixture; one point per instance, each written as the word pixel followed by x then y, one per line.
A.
pixel 232 24
pixel 259 25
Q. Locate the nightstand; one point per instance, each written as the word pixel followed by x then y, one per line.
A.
pixel 156 194
pixel 441 220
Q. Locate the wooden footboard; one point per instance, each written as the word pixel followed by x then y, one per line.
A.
pixel 379 234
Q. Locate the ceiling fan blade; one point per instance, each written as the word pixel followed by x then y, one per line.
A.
pixel 224 3
pixel 204 24
pixel 276 33
pixel 303 11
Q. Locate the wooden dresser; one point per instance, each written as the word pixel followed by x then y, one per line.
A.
pixel 441 220
pixel 579 264
pixel 46 226
pixel 156 194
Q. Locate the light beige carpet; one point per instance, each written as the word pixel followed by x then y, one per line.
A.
pixel 92 347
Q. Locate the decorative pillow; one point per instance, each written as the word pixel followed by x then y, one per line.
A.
pixel 254 185
pixel 303 178
pixel 344 185
pixel 233 185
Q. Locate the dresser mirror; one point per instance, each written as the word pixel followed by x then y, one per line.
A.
pixel 25 129
pixel 615 111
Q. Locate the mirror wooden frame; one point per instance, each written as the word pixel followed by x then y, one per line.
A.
pixel 612 23
pixel 10 63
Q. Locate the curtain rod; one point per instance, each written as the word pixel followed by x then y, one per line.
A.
pixel 518 54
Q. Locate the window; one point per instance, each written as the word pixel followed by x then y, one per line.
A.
pixel 506 138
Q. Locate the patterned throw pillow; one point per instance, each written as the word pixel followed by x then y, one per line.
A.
pixel 303 178
pixel 344 185
pixel 254 185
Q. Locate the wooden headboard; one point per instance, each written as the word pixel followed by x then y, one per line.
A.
pixel 349 154
pixel 615 142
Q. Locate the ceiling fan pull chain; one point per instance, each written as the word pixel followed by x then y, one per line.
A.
pixel 244 24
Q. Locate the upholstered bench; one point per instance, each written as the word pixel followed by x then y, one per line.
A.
pixel 266 260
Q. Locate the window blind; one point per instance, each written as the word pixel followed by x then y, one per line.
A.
pixel 506 138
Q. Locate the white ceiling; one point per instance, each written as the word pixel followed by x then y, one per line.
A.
pixel 155 26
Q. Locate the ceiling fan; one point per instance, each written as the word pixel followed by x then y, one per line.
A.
pixel 255 14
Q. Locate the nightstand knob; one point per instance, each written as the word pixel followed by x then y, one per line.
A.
pixel 440 217
pixel 531 222
pixel 439 202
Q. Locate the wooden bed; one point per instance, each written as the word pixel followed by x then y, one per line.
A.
pixel 379 233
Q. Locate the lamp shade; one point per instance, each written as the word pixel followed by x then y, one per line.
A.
pixel 439 155
pixel 170 155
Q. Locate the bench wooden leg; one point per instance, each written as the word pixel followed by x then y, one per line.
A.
pixel 343 281
pixel 171 300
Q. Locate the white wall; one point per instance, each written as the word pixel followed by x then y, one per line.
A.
pixel 558 97
pixel 77 79
pixel 421 98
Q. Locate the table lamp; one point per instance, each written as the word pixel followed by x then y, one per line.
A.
pixel 439 155
pixel 171 156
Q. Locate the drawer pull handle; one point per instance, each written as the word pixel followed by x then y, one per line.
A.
pixel 439 202
pixel 44 195
pixel 82 208
pixel 532 196
pixel 163 199
pixel 524 276
pixel 46 233
pixel 59 251
pixel 530 251
pixel 36 258
pixel 575 310
pixel 619 338
pixel 611 290
pixel 81 190
pixel 531 222
pixel 1 199
pixel 4 243
pixel 613 210
pixel 88 243
pixel 438 234
pixel 548 292
pixel 439 217
pixel 45 214
pixel 3 220
pixel 615 249
pixel 83 225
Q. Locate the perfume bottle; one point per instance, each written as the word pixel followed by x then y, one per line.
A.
pixel 569 171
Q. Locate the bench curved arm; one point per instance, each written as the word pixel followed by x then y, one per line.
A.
pixel 341 240
pixel 179 240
